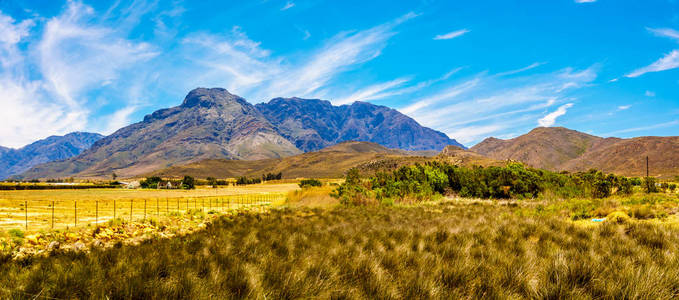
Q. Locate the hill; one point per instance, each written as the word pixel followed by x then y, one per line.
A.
pixel 210 123
pixel 330 162
pixel 53 148
pixel 628 157
pixel 562 149
pixel 313 124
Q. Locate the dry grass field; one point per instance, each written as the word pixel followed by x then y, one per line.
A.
pixel 77 208
pixel 445 250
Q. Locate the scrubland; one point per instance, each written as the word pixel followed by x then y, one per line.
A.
pixel 404 236
pixel 444 250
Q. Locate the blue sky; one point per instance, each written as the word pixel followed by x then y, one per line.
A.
pixel 471 69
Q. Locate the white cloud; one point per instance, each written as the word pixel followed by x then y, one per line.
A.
pixel 288 5
pixel 44 83
pixel 373 92
pixel 585 1
pixel 550 118
pixel 451 35
pixel 470 134
pixel 509 103
pixel 119 119
pixel 624 107
pixel 449 93
pixel 259 75
pixel 668 62
pixel 529 67
pixel 649 94
pixel 665 32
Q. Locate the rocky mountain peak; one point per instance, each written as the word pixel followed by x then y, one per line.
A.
pixel 209 97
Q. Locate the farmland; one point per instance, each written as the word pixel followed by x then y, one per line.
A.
pixel 73 208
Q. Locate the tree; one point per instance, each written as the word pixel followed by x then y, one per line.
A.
pixel 188 183
pixel 114 175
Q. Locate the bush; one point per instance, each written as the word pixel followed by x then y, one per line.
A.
pixel 244 180
pixel 649 185
pixel 150 182
pixel 309 183
pixel 672 187
pixel 512 181
pixel 272 176
pixel 618 217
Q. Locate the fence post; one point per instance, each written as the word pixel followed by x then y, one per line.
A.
pixel 131 200
pixel 75 207
pixel 26 213
pixel 52 214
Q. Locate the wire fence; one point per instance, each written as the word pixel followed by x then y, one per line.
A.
pixel 32 215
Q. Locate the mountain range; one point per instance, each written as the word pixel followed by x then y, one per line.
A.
pixel 224 135
pixel 314 124
pixel 16 161
pixel 562 149
pixel 215 124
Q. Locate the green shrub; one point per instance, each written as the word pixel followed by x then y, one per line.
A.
pixel 244 180
pixel 306 183
pixel 421 181
pixel 649 185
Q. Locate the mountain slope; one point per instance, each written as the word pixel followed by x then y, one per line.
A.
pixel 210 123
pixel 53 148
pixel 562 149
pixel 628 157
pixel 542 147
pixel 313 124
pixel 330 162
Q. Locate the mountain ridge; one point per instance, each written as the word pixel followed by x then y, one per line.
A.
pixel 563 149
pixel 53 148
pixel 313 124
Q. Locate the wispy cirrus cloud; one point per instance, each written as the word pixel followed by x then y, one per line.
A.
pixel 668 62
pixel 239 63
pixel 585 1
pixel 288 5
pixel 644 128
pixel 45 82
pixel 521 70
pixel 451 35
pixel 665 32
pixel 624 107
pixel 498 103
